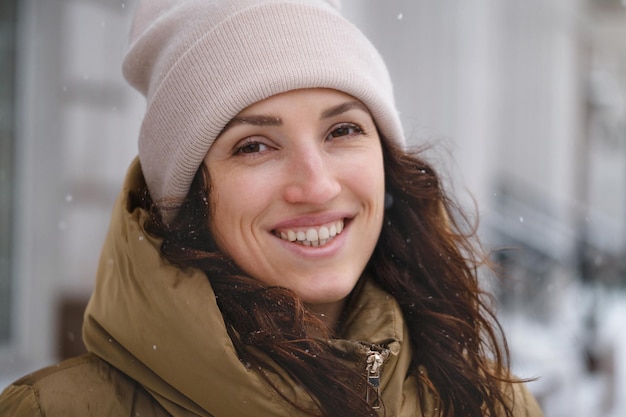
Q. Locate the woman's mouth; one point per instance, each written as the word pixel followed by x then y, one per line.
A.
pixel 311 236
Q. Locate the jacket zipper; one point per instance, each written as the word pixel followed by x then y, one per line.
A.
pixel 374 363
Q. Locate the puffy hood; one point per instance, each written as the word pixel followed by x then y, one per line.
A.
pixel 161 326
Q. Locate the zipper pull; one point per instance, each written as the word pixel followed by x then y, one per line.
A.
pixel 374 364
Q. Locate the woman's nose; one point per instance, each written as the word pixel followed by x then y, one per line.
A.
pixel 311 177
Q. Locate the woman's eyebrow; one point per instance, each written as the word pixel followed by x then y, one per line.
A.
pixel 342 108
pixel 255 120
pixel 267 120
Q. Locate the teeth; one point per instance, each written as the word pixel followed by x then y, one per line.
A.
pixel 313 236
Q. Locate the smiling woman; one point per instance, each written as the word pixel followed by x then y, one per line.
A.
pixel 275 249
pixel 287 168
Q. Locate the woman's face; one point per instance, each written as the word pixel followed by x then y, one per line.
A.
pixel 298 192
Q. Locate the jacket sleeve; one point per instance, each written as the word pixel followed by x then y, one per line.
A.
pixel 19 401
pixel 84 386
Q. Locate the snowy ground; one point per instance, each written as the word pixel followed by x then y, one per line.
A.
pixel 557 352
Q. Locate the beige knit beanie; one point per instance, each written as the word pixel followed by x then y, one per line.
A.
pixel 200 62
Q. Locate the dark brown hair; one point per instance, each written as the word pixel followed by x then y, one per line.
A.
pixel 425 258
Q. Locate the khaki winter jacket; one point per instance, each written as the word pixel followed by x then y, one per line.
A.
pixel 158 345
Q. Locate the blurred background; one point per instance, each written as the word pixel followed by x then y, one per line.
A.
pixel 523 102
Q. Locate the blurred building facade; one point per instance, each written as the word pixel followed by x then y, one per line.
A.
pixel 74 129
pixel 523 103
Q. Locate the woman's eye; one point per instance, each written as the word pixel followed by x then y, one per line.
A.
pixel 250 147
pixel 345 130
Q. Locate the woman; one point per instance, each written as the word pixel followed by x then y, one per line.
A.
pixel 275 249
